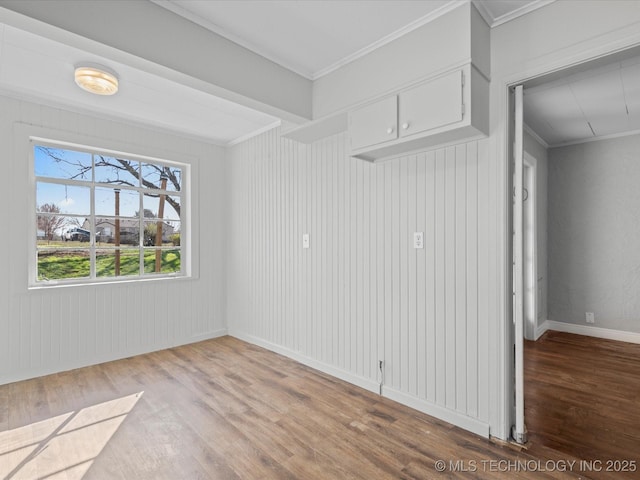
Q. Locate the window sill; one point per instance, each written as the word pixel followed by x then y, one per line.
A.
pixel 93 283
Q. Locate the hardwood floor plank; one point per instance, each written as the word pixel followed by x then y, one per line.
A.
pixel 225 409
pixel 582 396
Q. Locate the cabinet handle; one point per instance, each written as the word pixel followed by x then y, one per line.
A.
pixel 390 130
pixel 405 125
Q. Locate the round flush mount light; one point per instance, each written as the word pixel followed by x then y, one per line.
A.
pixel 96 79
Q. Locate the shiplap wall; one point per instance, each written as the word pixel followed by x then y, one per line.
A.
pixel 55 329
pixel 361 293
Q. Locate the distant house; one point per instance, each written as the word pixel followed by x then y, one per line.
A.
pixel 129 230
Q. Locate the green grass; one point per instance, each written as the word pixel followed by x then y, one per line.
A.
pixel 60 264
pixel 170 261
pixel 63 265
pixel 129 263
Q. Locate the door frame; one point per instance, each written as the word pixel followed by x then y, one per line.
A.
pixel 518 429
pixel 590 50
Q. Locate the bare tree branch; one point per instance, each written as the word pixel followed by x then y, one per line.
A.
pixel 57 155
pixel 118 165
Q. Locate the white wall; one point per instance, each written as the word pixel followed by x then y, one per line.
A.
pixel 313 325
pixel 594 226
pixel 362 293
pixel 54 329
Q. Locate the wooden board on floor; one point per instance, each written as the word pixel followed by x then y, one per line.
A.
pixel 225 409
pixel 582 398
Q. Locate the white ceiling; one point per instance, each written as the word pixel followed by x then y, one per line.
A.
pixel 315 37
pixel 35 67
pixel 583 106
pixel 308 37
pixel 311 37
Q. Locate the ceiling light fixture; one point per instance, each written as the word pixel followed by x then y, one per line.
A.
pixel 96 79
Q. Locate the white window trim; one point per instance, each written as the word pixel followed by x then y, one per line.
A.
pixel 26 136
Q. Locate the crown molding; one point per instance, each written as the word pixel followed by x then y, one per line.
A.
pixel 254 133
pixel 430 17
pixel 596 139
pixel 217 29
pixel 536 137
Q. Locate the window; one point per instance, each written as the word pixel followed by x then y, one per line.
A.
pixel 101 216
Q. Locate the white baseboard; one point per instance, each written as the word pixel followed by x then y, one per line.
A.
pixel 221 332
pixel 589 331
pixel 458 419
pixel 362 382
pixel 541 329
pixel 110 357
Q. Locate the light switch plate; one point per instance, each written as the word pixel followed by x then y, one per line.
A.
pixel 305 240
pixel 418 240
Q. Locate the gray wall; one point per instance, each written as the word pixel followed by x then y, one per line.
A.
pixel 594 227
pixel 539 152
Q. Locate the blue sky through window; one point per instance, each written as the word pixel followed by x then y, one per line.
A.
pixel 63 164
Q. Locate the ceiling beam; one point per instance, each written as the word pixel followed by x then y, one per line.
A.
pixel 144 35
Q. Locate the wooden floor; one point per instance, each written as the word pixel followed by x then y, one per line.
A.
pixel 582 398
pixel 225 409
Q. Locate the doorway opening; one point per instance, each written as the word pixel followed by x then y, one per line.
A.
pixel 581 365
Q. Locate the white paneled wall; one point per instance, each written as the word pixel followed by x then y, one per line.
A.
pixel 361 293
pixel 54 329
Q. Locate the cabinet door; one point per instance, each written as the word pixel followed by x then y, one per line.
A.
pixel 431 105
pixel 374 123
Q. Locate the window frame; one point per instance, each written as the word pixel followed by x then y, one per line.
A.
pixel 56 139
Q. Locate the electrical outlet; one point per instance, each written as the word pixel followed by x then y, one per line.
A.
pixel 590 317
pixel 418 240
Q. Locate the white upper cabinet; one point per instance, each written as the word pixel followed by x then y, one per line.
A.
pixel 433 81
pixel 374 123
pixel 447 108
pixel 433 104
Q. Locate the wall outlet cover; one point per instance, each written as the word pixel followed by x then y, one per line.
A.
pixel 418 240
